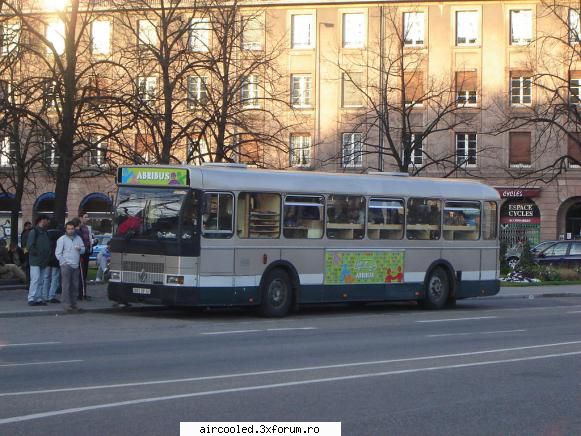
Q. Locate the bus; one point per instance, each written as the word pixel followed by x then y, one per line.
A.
pixel 229 235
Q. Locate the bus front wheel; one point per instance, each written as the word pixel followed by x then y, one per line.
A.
pixel 437 289
pixel 276 294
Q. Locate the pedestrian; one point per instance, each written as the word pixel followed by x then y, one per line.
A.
pixel 103 262
pixel 69 249
pixel 52 286
pixel 23 244
pixel 38 246
pixel 9 270
pixel 84 231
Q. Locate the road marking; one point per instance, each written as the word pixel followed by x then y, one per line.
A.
pixel 578 311
pixel 231 332
pixel 26 345
pixel 34 416
pixel 40 363
pixel 458 319
pixel 281 329
pixel 475 333
pixel 285 371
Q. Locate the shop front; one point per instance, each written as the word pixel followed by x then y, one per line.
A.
pixel 520 217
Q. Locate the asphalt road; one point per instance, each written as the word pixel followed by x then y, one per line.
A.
pixel 488 367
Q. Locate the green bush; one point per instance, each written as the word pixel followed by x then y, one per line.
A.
pixel 504 268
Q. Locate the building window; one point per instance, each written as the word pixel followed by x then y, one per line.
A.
pixel 521 27
pixel 198 152
pixel 413 143
pixel 353 30
pixel 7 152
pixel 575 87
pixel 466 149
pixel 200 34
pixel 302 31
pixel 519 149
pixel 352 95
pixel 467 27
pixel 147 90
pixel 9 37
pixel 97 152
pixel 413 88
pixel 574 149
pixel 466 86
pixel 352 148
pixel 301 91
pixel 50 94
pixel 520 89
pixel 55 34
pixel 197 91
pixel 413 28
pixel 253 32
pixel 249 91
pixel 147 34
pixel 101 37
pixel 574 26
pixel 51 156
pixel 300 150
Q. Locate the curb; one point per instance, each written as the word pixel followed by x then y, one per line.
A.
pixel 531 296
pixel 60 312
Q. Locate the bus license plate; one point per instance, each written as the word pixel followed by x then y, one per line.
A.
pixel 142 291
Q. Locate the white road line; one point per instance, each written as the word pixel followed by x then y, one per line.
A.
pixel 231 332
pixel 26 345
pixel 577 311
pixel 287 371
pixel 40 363
pixel 34 416
pixel 458 319
pixel 281 329
pixel 475 333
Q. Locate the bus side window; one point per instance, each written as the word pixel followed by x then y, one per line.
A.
pixel 424 218
pixel 345 217
pixel 489 220
pixel 217 215
pixel 258 215
pixel 385 219
pixel 303 217
pixel 462 220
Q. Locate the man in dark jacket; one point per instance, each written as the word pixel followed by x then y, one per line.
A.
pixel 84 231
pixel 23 242
pixel 51 287
pixel 38 255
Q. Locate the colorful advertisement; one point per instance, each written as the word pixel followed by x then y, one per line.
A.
pixel 153 176
pixel 363 267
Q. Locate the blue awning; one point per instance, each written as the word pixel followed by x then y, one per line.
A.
pixel 95 196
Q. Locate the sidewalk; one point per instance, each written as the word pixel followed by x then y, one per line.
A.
pixel 13 302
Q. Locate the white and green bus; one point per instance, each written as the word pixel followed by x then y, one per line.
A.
pixel 228 235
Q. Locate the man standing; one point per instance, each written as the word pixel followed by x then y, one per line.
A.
pixel 52 286
pixel 69 249
pixel 23 244
pixel 85 234
pixel 39 254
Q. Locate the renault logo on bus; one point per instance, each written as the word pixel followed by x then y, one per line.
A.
pixel 143 276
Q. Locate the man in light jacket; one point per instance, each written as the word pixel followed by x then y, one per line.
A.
pixel 69 249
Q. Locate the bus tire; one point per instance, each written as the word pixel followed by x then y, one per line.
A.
pixel 437 289
pixel 277 293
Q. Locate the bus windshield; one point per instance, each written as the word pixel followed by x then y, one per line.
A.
pixel 154 213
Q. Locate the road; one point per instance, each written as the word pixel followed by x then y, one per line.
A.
pixel 490 366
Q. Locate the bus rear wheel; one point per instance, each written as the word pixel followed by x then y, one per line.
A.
pixel 276 294
pixel 437 289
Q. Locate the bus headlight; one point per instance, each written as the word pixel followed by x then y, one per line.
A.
pixel 174 280
pixel 115 276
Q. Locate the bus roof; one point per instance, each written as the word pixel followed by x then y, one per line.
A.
pixel 239 178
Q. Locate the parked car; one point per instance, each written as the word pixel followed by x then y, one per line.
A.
pixel 514 253
pixel 563 253
pixel 99 244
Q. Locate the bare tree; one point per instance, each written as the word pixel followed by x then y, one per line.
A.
pixel 60 77
pixel 204 81
pixel 398 105
pixel 553 71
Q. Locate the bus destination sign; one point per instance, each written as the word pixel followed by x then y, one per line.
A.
pixel 143 176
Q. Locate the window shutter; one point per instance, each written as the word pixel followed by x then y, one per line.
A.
pixel 520 148
pixel 414 86
pixel 574 146
pixel 466 81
